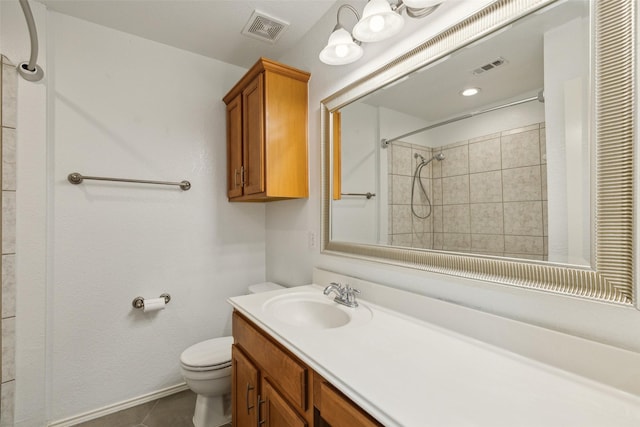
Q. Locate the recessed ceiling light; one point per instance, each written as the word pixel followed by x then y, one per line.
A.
pixel 470 91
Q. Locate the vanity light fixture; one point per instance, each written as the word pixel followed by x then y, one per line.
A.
pixel 341 48
pixel 380 20
pixel 470 91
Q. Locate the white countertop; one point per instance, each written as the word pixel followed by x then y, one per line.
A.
pixel 408 372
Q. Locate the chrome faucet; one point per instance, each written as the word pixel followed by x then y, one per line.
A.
pixel 345 295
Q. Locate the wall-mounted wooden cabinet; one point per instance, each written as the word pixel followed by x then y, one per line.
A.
pixel 267 153
pixel 271 387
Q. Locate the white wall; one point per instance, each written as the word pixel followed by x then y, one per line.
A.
pixel 123 106
pixel 488 123
pixel 356 216
pixel 290 261
pixel 566 79
pixel 394 123
pixel 118 105
pixel 126 107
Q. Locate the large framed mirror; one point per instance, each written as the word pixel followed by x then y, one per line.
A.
pixel 528 183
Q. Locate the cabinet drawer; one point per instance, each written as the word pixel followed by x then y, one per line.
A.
pixel 285 373
pixel 338 410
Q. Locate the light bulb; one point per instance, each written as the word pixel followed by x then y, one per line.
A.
pixel 376 23
pixel 341 51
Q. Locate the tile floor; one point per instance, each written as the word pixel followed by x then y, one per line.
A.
pixel 171 411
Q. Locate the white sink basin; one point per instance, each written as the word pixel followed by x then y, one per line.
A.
pixel 314 311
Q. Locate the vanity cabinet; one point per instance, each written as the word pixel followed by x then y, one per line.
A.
pixel 267 134
pixel 271 387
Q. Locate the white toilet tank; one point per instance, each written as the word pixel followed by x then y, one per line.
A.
pixel 264 287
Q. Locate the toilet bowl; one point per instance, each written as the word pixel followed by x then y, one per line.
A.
pixel 206 368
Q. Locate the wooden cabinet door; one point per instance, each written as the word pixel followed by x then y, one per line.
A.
pixel 244 383
pixel 275 411
pixel 253 136
pixel 336 410
pixel 337 155
pixel 234 147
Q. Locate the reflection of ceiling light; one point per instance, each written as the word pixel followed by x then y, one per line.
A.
pixel 381 19
pixel 470 91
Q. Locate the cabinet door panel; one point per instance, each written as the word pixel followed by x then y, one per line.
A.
pixel 275 411
pixel 244 382
pixel 253 136
pixel 340 412
pixel 289 376
pixel 234 147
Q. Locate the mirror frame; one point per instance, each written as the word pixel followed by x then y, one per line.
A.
pixel 613 127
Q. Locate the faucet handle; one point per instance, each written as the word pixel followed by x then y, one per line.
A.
pixel 351 290
pixel 350 295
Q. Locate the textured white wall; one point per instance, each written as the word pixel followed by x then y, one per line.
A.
pixel 290 261
pixel 126 107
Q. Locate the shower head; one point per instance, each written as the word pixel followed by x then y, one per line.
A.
pixel 416 155
pixel 439 156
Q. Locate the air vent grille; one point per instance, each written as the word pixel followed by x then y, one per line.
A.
pixel 500 61
pixel 264 27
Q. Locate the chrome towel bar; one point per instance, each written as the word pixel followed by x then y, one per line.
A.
pixel 76 178
pixel 368 195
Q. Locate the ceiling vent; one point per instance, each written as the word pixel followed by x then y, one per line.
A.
pixel 264 27
pixel 490 66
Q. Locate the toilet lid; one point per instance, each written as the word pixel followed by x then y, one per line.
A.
pixel 214 354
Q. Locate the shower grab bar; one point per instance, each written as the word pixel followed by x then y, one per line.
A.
pixel 76 178
pixel 386 142
pixel 367 195
pixel 30 70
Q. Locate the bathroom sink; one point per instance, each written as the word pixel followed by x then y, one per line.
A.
pixel 314 311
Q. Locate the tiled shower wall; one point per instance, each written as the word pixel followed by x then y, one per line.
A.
pixel 489 195
pixel 405 228
pixel 8 92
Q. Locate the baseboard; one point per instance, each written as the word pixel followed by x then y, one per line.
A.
pixel 116 407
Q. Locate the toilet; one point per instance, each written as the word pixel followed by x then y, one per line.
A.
pixel 206 368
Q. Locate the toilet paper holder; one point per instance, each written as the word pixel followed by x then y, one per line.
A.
pixel 138 302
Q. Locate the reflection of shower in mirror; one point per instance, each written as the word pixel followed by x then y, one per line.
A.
pixel 417 178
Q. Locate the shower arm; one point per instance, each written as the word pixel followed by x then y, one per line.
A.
pixel 30 71
pixel 386 142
